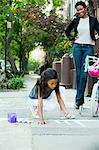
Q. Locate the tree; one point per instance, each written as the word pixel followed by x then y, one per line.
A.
pixel 31 27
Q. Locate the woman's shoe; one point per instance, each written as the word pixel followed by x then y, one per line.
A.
pixel 76 106
pixel 35 115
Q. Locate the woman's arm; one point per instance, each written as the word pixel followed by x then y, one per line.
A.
pixel 97 26
pixel 68 31
pixel 40 108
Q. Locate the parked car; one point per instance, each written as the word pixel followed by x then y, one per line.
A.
pixel 8 69
pixel 2 65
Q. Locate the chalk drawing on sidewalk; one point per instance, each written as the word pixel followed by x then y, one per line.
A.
pixel 56 122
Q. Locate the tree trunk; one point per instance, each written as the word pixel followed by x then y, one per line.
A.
pixel 8 41
pixel 12 63
pixel 24 63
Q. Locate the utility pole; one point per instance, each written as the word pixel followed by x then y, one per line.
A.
pixel 8 26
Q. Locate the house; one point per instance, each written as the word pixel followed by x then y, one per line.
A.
pixel 94 4
pixel 69 8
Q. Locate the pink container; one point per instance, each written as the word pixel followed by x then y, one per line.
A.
pixel 12 117
pixel 93 72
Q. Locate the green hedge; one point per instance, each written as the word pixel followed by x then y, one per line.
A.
pixel 14 83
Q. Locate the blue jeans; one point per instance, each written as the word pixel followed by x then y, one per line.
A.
pixel 80 51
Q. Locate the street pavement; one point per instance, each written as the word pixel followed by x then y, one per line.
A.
pixel 60 134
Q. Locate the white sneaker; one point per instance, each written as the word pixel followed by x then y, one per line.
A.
pixel 35 112
pixel 35 116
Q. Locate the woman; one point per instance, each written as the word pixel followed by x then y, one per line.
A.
pixel 84 27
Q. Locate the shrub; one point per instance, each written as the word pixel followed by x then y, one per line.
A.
pixel 62 47
pixel 3 85
pixel 15 83
pixel 33 65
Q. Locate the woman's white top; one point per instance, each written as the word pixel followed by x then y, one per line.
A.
pixel 83 29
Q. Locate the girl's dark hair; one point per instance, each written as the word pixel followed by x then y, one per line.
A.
pixel 47 75
pixel 80 3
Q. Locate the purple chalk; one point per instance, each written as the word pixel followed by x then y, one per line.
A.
pixel 12 117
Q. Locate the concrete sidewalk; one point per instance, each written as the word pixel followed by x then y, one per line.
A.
pixel 16 136
pixel 19 136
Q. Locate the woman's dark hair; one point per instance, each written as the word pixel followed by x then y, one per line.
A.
pixel 80 3
pixel 47 75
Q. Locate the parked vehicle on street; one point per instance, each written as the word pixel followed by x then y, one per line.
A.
pixel 8 69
